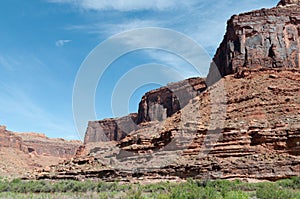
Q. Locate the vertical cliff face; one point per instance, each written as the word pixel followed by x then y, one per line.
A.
pixel 262 38
pixel 164 102
pixel 113 129
pixel 155 105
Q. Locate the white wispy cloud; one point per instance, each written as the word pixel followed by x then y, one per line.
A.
pixel 127 5
pixel 108 29
pixel 60 43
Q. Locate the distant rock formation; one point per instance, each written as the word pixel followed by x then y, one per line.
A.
pixel 23 152
pixel 262 38
pixel 38 144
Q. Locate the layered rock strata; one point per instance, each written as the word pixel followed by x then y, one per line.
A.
pixel 257 136
pixel 155 105
pixel 245 125
pixel 262 38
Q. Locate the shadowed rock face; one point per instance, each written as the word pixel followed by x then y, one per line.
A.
pixel 263 38
pixel 164 102
pixel 155 105
pixel 113 129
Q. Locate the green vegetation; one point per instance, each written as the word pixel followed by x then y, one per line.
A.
pixel 192 189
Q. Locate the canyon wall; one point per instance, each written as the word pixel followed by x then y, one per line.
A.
pixel 156 105
pixel 164 102
pixel 113 129
pixel 262 38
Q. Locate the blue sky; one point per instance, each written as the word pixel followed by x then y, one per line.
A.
pixel 44 42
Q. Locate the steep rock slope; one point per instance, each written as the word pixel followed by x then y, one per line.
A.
pixel 266 38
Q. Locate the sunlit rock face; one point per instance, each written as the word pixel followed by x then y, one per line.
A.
pixel 262 38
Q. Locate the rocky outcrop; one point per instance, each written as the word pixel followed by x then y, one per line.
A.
pixel 164 102
pixel 288 2
pixel 22 152
pixel 38 144
pixel 155 105
pixel 113 129
pixel 263 38
pixel 259 136
pixel 42 145
pixel 10 140
pixel 245 125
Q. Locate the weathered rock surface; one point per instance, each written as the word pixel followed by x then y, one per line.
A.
pixel 257 135
pixel 110 129
pixel 155 105
pixel 42 145
pixel 245 125
pixel 164 102
pixel 22 152
pixel 288 2
pixel 263 38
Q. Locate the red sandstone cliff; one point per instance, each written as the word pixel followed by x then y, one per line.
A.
pixel 245 125
pixel 156 105
pixel 262 38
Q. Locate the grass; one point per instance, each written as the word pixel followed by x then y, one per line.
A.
pixel 192 189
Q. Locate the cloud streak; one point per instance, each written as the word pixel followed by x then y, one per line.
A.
pixel 61 43
pixel 127 5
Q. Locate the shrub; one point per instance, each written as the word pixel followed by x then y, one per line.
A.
pixel 236 195
pixel 274 192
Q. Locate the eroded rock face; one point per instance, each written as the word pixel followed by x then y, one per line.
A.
pixel 10 140
pixel 263 38
pixel 246 125
pixel 42 145
pixel 164 102
pixel 110 129
pixel 23 152
pixel 259 138
pixel 38 144
pixel 155 105
pixel 289 2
